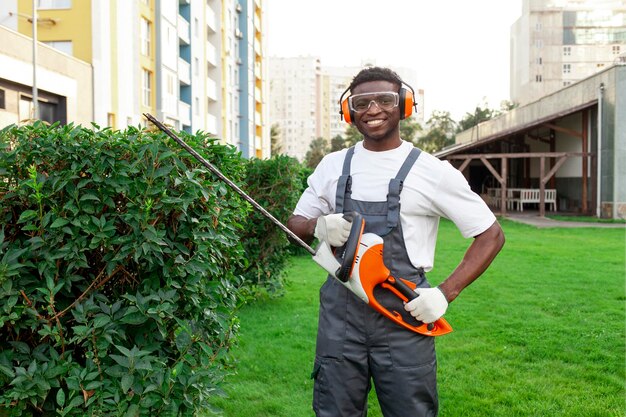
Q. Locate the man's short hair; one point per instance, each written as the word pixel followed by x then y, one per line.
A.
pixel 375 74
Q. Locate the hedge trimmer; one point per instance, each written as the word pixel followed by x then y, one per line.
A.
pixel 358 265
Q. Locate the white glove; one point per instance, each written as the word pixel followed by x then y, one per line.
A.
pixel 333 229
pixel 429 306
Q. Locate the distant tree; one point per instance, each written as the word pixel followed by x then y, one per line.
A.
pixel 352 136
pixel 317 149
pixel 409 129
pixel 506 105
pixel 276 147
pixel 480 114
pixel 440 130
pixel 337 143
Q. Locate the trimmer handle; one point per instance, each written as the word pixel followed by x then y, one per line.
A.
pixel 408 292
pixel 347 253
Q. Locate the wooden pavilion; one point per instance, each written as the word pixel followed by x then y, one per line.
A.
pixel 567 149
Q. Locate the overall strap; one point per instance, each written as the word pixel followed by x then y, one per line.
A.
pixel 344 184
pixel 395 188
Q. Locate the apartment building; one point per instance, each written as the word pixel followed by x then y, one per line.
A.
pixel 199 65
pixel 556 43
pixel 295 103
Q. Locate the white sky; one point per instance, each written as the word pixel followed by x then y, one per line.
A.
pixel 459 49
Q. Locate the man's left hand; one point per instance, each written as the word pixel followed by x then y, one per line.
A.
pixel 429 306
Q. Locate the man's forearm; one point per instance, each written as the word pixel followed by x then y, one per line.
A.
pixel 477 258
pixel 302 227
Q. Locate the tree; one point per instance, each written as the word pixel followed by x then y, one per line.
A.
pixel 440 130
pixel 481 114
pixel 275 139
pixel 352 136
pixel 337 143
pixel 317 149
pixel 409 128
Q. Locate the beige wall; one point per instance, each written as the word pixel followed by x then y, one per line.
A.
pixel 57 73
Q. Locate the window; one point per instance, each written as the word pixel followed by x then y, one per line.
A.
pixel 615 49
pixel 146 87
pixel 25 109
pixel 111 120
pixel 55 4
pixel 63 46
pixel 567 68
pixel 567 50
pixel 170 84
pixel 539 61
pixel 2 100
pixel 538 78
pixel 145 36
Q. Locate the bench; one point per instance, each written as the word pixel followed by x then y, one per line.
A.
pixel 531 195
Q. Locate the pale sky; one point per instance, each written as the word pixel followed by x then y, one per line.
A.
pixel 459 49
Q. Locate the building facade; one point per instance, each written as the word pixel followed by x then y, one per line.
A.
pixel 199 65
pixel 65 84
pixel 557 42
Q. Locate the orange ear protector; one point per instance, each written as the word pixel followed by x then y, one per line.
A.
pixel 407 102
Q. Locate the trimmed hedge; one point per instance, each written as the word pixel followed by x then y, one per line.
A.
pixel 121 268
pixel 276 185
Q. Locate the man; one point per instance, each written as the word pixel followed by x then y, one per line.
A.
pixel 356 344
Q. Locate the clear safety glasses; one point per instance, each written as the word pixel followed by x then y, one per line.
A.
pixel 385 101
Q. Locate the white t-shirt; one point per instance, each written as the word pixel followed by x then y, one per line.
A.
pixel 432 189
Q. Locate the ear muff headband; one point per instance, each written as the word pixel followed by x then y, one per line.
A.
pixel 407 102
pixel 345 112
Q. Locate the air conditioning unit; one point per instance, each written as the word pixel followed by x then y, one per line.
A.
pixel 238 34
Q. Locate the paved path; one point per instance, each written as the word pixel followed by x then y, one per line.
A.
pixel 533 219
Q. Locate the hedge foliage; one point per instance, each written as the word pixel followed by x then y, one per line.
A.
pixel 121 268
pixel 276 185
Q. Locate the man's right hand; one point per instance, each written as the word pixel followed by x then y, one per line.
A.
pixel 333 228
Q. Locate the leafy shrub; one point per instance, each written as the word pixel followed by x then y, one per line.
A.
pixel 276 185
pixel 118 260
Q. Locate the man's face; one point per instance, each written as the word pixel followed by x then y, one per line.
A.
pixel 377 122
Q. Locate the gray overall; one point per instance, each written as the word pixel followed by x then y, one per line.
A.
pixel 356 344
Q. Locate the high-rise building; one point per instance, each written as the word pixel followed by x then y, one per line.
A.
pixel 196 64
pixel 558 42
pixel 295 91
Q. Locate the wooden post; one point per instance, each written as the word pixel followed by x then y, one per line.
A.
pixel 542 187
pixel 503 186
pixel 585 172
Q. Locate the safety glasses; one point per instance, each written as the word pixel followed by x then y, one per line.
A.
pixel 360 103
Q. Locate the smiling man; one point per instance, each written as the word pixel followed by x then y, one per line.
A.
pixel 401 193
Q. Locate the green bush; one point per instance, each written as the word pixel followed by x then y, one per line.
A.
pixel 118 271
pixel 276 185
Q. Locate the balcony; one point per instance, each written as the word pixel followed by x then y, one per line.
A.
pixel 183 31
pixel 184 113
pixel 210 19
pixel 211 124
pixel 211 54
pixel 184 72
pixel 211 89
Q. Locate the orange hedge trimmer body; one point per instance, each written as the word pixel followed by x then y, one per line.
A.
pixel 359 265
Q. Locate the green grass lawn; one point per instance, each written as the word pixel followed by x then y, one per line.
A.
pixel 541 333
